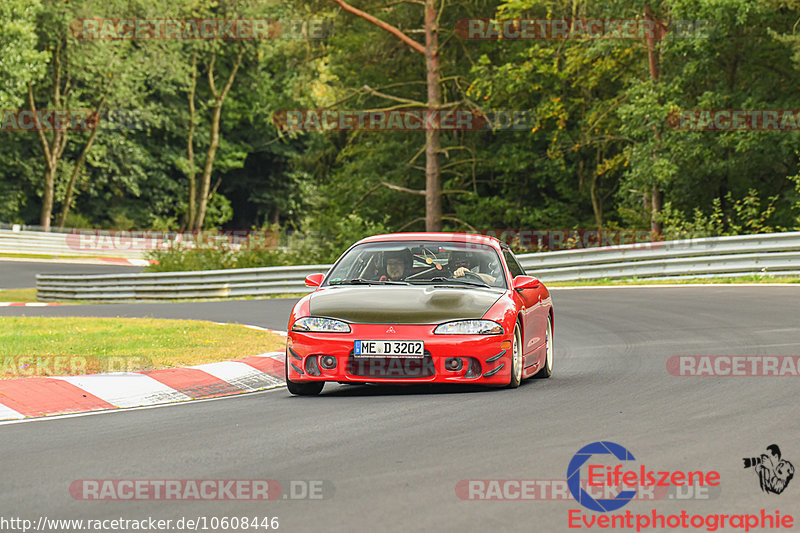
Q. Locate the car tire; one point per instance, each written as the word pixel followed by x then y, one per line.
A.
pixel 516 359
pixel 550 349
pixel 302 389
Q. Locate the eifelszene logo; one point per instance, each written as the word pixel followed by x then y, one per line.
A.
pixel 574 476
pixel 600 475
pixel 774 473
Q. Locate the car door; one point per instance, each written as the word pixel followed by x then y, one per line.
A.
pixel 534 316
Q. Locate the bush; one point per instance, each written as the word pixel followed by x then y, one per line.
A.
pixel 743 216
pixel 322 244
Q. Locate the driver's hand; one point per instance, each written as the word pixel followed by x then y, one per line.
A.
pixel 460 272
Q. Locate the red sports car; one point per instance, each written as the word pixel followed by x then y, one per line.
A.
pixel 421 308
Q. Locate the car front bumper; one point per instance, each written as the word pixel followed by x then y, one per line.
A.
pixel 484 359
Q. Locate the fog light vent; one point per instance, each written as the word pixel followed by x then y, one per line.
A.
pixel 474 369
pixel 454 364
pixel 328 362
pixel 311 366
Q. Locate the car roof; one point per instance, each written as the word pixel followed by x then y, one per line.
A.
pixel 434 236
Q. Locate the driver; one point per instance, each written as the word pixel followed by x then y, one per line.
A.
pixel 463 263
pixel 398 265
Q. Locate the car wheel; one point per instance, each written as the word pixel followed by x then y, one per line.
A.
pixel 547 369
pixel 302 389
pixel 516 359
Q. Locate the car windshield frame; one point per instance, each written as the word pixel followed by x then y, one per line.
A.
pixel 434 253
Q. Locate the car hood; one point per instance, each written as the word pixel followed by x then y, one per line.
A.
pixel 402 305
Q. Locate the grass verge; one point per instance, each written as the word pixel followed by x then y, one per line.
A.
pixel 29 296
pixel 45 256
pixel 40 346
pixel 18 295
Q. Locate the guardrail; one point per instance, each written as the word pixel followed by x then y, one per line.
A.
pixel 19 241
pixel 134 244
pixel 725 256
pixel 775 253
pixel 176 285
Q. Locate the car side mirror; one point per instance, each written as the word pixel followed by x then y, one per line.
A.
pixel 525 282
pixel 314 280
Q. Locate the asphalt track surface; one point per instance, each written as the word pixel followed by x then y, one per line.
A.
pixel 394 455
pixel 22 274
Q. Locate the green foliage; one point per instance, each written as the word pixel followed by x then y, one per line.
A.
pixel 219 211
pixel 76 220
pixel 322 244
pixel 597 142
pixel 20 62
pixel 744 216
pixel 179 258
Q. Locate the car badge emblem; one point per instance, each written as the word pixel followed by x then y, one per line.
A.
pixel 390 330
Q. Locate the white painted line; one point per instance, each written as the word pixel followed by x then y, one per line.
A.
pixel 50 418
pixel 126 389
pixel 239 375
pixel 26 304
pixel 7 413
pixel 250 326
pixel 259 328
pixel 274 355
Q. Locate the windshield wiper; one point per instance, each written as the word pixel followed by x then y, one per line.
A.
pixel 440 279
pixel 362 281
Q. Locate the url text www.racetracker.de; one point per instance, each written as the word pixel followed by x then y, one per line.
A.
pixel 196 523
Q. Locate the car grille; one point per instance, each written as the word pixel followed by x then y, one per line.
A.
pixel 391 367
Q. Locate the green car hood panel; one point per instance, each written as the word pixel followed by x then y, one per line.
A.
pixel 402 305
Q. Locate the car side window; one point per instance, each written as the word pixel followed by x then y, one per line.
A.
pixel 513 265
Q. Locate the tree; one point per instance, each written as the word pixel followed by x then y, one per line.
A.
pixel 433 206
pixel 219 96
pixel 81 75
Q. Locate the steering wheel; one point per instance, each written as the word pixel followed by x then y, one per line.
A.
pixel 472 275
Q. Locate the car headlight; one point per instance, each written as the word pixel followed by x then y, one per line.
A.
pixel 469 327
pixel 327 325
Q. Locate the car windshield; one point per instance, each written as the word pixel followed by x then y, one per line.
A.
pixel 419 262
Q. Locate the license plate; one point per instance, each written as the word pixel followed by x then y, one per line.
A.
pixel 389 349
